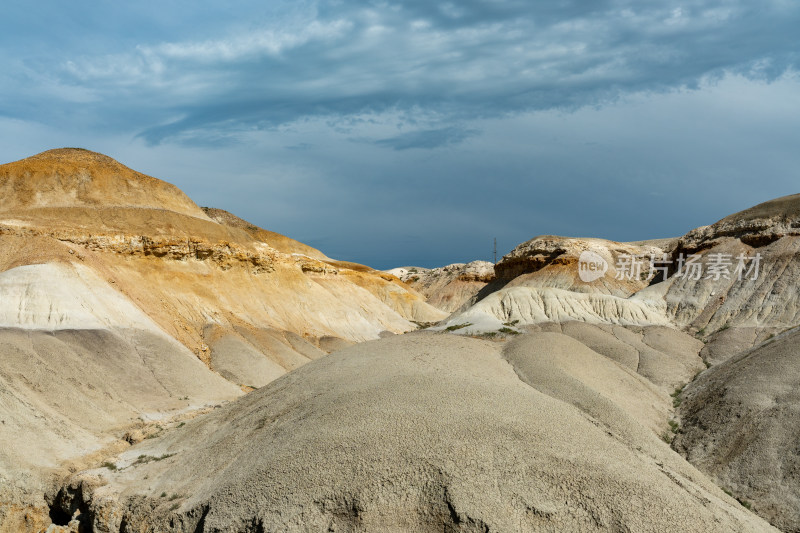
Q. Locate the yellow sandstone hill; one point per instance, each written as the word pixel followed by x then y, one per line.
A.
pixel 125 305
pixel 71 177
pixel 80 207
pixel 135 325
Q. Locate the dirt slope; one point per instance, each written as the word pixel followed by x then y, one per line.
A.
pixel 740 424
pixel 550 261
pixel 438 433
pixel 122 304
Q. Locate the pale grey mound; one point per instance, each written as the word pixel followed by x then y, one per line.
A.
pixel 240 362
pixel 253 357
pixel 303 346
pixel 65 394
pixel 667 357
pixel 331 344
pixel 730 342
pixel 672 358
pixel 417 432
pixel 275 345
pixel 741 425
pixel 612 394
pixel 601 338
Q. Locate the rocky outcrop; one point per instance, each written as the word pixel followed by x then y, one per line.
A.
pixel 754 227
pixel 450 287
pixel 125 224
pixel 767 297
pixel 554 262
pixel 765 237
pixel 764 295
pixel 258 258
pixel 519 306
pixel 533 255
pixel 277 241
pixel 541 281
pixel 123 303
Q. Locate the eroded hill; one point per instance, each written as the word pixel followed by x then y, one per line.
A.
pixel 125 305
pixel 172 363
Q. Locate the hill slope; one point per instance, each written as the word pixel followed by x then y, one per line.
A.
pixel 72 177
pixel 123 306
pixel 741 422
pixel 439 433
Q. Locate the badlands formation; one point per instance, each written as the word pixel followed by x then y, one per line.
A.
pixel 450 287
pixel 166 367
pixel 124 304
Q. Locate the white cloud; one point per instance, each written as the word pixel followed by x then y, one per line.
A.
pixel 269 42
pixel 149 63
pixel 457 61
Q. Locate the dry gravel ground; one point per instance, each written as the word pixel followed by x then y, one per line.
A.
pixel 421 432
pixel 741 425
pixel 667 357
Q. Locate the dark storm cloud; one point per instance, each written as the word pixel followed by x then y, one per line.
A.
pixel 415 132
pixel 450 61
pixel 427 139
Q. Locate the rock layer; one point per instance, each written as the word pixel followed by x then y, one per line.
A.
pixel 167 310
pixel 553 262
pixel 451 287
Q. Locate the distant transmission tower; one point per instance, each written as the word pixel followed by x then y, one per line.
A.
pixel 495 250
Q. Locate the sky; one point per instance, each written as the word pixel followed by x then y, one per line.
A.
pixel 396 133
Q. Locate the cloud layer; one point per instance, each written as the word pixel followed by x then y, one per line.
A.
pixel 486 106
pixel 435 61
